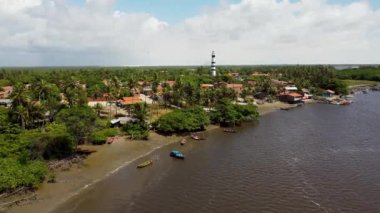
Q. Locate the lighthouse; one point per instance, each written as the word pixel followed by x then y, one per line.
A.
pixel 213 66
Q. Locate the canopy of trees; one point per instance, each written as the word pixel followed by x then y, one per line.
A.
pixel 184 120
pixel 228 114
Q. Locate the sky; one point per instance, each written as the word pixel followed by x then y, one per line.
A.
pixel 184 32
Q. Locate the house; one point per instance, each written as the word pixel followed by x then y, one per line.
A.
pixel 291 88
pixel 5 92
pixel 306 94
pixel 92 102
pixel 206 87
pixel 251 82
pixel 279 83
pixel 6 102
pixel 234 74
pixel 122 121
pixel 259 74
pixel 147 90
pixel 291 98
pixel 170 83
pixel 130 100
pixel 238 88
pixel 328 93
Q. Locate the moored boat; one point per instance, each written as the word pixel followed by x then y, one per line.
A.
pixel 229 130
pixel 195 137
pixel 183 141
pixel 177 154
pixel 145 164
pixel 110 140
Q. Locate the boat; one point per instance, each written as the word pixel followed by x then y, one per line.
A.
pixel 285 108
pixel 195 137
pixel 346 102
pixel 110 140
pixel 145 164
pixel 183 141
pixel 229 130
pixel 177 154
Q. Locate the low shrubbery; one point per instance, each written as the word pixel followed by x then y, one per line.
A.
pixel 100 137
pixel 137 130
pixel 184 120
pixel 14 174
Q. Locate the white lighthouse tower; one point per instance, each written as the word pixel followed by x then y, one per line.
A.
pixel 213 66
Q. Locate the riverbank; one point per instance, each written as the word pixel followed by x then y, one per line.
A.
pixel 105 161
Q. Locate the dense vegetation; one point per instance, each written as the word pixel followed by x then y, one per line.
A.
pixel 228 114
pixel 363 73
pixel 184 120
pixel 315 78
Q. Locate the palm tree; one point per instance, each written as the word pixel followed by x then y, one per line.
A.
pixel 20 95
pixel 98 108
pixel 22 115
pixel 140 111
pixel 41 88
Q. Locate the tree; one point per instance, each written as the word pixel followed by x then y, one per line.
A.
pixel 228 114
pixel 184 120
pixel 80 121
pixel 140 111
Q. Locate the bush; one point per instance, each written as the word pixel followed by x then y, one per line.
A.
pixel 100 137
pixel 137 130
pixel 228 114
pixel 55 143
pixel 13 174
pixel 184 120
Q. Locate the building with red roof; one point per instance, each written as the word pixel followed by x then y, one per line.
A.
pixel 5 92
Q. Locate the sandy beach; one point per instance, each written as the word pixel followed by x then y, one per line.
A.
pixel 105 161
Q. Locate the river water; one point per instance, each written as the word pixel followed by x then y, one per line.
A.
pixel 317 158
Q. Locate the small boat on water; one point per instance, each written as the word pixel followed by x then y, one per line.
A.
pixel 110 140
pixel 195 137
pixel 177 154
pixel 183 142
pixel 145 164
pixel 230 130
pixel 285 108
pixel 346 102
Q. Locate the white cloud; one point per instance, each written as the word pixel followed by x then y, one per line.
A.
pixel 53 32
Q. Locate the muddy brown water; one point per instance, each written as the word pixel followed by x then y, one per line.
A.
pixel 317 158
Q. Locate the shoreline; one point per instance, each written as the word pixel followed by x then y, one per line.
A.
pixel 104 162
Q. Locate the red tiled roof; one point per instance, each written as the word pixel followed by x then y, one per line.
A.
pixel 206 85
pixel 100 99
pixel 260 74
pixel 7 88
pixel 294 94
pixel 170 82
pixel 131 100
pixel 234 85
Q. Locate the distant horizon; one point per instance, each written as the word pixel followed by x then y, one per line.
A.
pixel 153 66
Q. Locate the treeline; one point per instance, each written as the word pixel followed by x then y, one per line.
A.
pixel 369 73
pixel 316 78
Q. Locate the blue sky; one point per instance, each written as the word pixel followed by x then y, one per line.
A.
pixel 174 11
